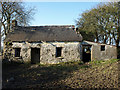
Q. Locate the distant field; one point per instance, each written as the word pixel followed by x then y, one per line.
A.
pixel 97 74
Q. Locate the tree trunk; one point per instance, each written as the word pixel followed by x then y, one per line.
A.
pixel 110 41
pixel 96 35
pixel 8 22
pixel 118 31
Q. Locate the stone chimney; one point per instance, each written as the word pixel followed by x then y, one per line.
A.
pixel 14 23
pixel 73 27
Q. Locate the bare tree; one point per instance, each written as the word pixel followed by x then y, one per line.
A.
pixel 14 11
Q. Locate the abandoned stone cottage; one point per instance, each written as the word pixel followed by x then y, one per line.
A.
pixel 52 45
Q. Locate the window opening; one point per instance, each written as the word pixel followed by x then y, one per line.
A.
pixel 17 52
pixel 102 47
pixel 58 51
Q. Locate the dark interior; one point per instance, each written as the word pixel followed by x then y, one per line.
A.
pixel 58 51
pixel 86 53
pixel 17 52
pixel 35 55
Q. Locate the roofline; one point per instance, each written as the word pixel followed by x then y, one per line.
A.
pixel 45 41
pixel 98 43
pixel 50 26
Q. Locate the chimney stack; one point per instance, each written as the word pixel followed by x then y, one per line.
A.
pixel 73 27
pixel 14 23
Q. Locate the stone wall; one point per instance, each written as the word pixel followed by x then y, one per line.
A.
pixel 110 51
pixel 71 51
pixel 8 52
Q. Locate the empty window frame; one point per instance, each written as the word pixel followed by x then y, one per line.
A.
pixel 17 52
pixel 58 51
pixel 102 47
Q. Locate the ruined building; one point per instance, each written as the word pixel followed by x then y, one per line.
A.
pixel 52 45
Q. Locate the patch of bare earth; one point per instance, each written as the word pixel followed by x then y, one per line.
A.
pixel 98 77
pixel 61 76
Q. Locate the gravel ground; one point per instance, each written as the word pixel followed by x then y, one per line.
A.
pixel 66 76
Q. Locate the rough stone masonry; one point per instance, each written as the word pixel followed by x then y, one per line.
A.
pixel 52 45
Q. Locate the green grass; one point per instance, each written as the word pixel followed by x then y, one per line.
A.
pixel 81 65
pixel 100 62
pixel 70 66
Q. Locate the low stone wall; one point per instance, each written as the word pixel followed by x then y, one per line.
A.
pixel 71 51
pixel 109 53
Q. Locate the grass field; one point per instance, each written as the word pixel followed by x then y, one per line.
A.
pixel 96 74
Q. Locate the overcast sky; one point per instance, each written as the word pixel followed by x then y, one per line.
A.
pixel 58 13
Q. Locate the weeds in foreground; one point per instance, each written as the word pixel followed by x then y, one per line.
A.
pixel 100 62
pixel 68 66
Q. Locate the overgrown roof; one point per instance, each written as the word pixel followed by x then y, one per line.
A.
pixel 43 33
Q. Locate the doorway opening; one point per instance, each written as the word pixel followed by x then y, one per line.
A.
pixel 35 55
pixel 86 53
